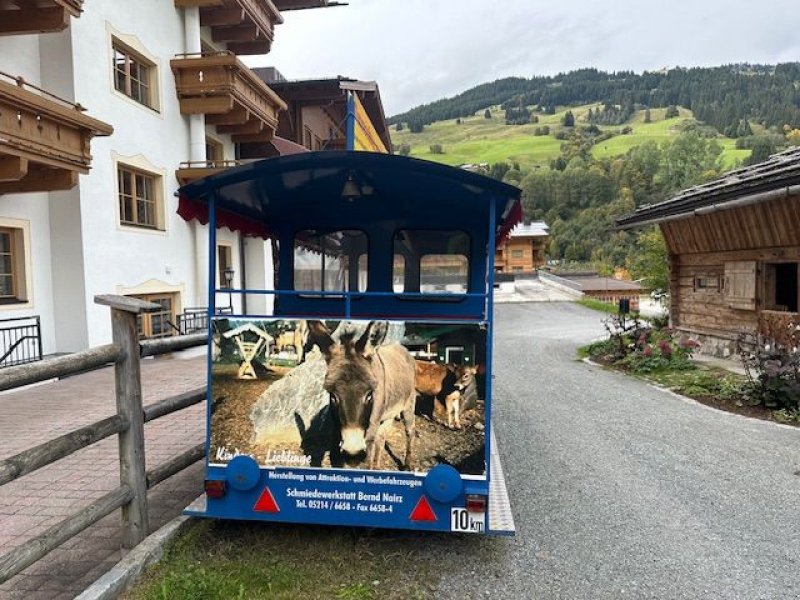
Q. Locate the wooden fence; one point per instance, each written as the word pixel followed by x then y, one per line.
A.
pixel 125 352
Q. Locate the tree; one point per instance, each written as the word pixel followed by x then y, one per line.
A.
pixel 763 148
pixel 648 118
pixel 793 137
pixel 404 150
pixel 458 121
pixel 436 149
pixel 487 114
pixel 399 126
pixel 672 112
pixel 416 126
pixel 650 259
pixel 568 120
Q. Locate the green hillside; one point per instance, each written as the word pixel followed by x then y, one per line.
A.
pixel 480 140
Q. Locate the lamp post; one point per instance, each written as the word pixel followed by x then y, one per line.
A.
pixel 228 274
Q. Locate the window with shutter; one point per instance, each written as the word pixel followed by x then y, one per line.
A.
pixel 740 284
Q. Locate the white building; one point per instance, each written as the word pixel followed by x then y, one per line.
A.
pixel 166 77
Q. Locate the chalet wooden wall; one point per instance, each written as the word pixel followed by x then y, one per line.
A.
pixel 712 254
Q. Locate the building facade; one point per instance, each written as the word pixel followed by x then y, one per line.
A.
pixel 734 253
pixel 87 203
pixel 524 251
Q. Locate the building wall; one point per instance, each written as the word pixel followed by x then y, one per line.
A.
pixel 78 247
pixel 532 254
pixel 718 264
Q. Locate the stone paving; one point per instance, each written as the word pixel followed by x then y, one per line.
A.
pixel 35 502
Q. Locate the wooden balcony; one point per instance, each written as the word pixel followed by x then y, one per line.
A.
pixel 36 16
pixel 245 26
pixel 197 169
pixel 231 96
pixel 44 140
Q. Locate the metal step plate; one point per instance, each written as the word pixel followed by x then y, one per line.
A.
pixel 501 519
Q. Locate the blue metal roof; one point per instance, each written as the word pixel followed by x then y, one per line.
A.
pixel 288 187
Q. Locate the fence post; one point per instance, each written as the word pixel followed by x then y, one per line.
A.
pixel 132 468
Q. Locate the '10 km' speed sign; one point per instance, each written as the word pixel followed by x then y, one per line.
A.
pixel 466 522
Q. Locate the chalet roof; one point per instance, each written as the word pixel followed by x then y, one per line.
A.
pixel 331 89
pixel 761 182
pixel 532 229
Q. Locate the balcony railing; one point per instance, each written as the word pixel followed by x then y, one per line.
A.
pixel 20 341
pixel 231 96
pixel 197 169
pixel 44 16
pixel 245 26
pixel 44 139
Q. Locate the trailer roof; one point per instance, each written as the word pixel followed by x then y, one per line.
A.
pixel 252 198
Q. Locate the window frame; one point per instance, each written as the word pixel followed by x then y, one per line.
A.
pixel 145 65
pixel 157 200
pixel 21 266
pixel 332 294
pixel 434 295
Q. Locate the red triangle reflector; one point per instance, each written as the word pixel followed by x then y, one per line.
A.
pixel 266 503
pixel 423 511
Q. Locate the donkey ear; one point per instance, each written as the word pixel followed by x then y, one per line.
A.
pixel 320 335
pixel 373 337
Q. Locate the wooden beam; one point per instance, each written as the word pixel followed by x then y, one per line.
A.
pixel 265 136
pixel 42 180
pixel 37 20
pixel 62 366
pixel 253 126
pixel 219 17
pixel 240 33
pixel 29 552
pixel 238 116
pixel 13 168
pixel 249 48
pixel 206 105
pixel 200 3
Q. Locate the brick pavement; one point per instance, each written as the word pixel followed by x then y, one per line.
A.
pixel 32 503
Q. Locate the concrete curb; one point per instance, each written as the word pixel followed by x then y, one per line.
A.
pixel 126 572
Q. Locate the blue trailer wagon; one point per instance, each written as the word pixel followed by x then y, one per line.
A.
pixel 355 388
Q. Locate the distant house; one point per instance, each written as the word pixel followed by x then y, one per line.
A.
pixel 734 249
pixel 524 250
pixel 604 289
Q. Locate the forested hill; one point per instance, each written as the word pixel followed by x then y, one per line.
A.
pixel 725 97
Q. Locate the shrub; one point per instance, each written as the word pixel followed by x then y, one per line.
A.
pixel 436 149
pixel 773 374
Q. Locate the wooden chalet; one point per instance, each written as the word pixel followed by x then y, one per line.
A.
pixel 734 251
pixel 317 115
pixel 524 250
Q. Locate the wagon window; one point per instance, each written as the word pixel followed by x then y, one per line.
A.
pixel 431 261
pixel 322 261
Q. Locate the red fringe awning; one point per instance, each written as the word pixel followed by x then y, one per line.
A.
pixel 189 210
pixel 514 218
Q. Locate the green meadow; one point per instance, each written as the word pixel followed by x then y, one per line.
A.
pixel 480 140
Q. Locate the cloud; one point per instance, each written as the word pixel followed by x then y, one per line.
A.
pixel 423 50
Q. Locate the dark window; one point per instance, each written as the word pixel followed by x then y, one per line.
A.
pixel 432 261
pixel 781 282
pixel 322 261
pixel 133 75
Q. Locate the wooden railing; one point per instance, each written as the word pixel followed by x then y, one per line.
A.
pixel 125 352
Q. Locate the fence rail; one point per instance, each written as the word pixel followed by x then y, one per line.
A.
pixel 128 424
pixel 20 341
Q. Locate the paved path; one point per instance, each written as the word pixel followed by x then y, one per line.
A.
pixel 532 290
pixel 37 501
pixel 621 490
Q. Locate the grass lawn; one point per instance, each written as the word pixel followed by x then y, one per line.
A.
pixel 603 307
pixel 235 559
pixel 480 140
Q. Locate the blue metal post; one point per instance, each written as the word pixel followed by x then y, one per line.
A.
pixel 351 121
pixel 489 331
pixel 212 308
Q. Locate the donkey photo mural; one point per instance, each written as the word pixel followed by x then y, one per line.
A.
pixel 369 386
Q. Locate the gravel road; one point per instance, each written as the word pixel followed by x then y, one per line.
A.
pixel 621 490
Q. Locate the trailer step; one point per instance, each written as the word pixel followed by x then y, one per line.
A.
pixel 501 519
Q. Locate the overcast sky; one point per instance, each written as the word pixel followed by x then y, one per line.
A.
pixel 423 50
